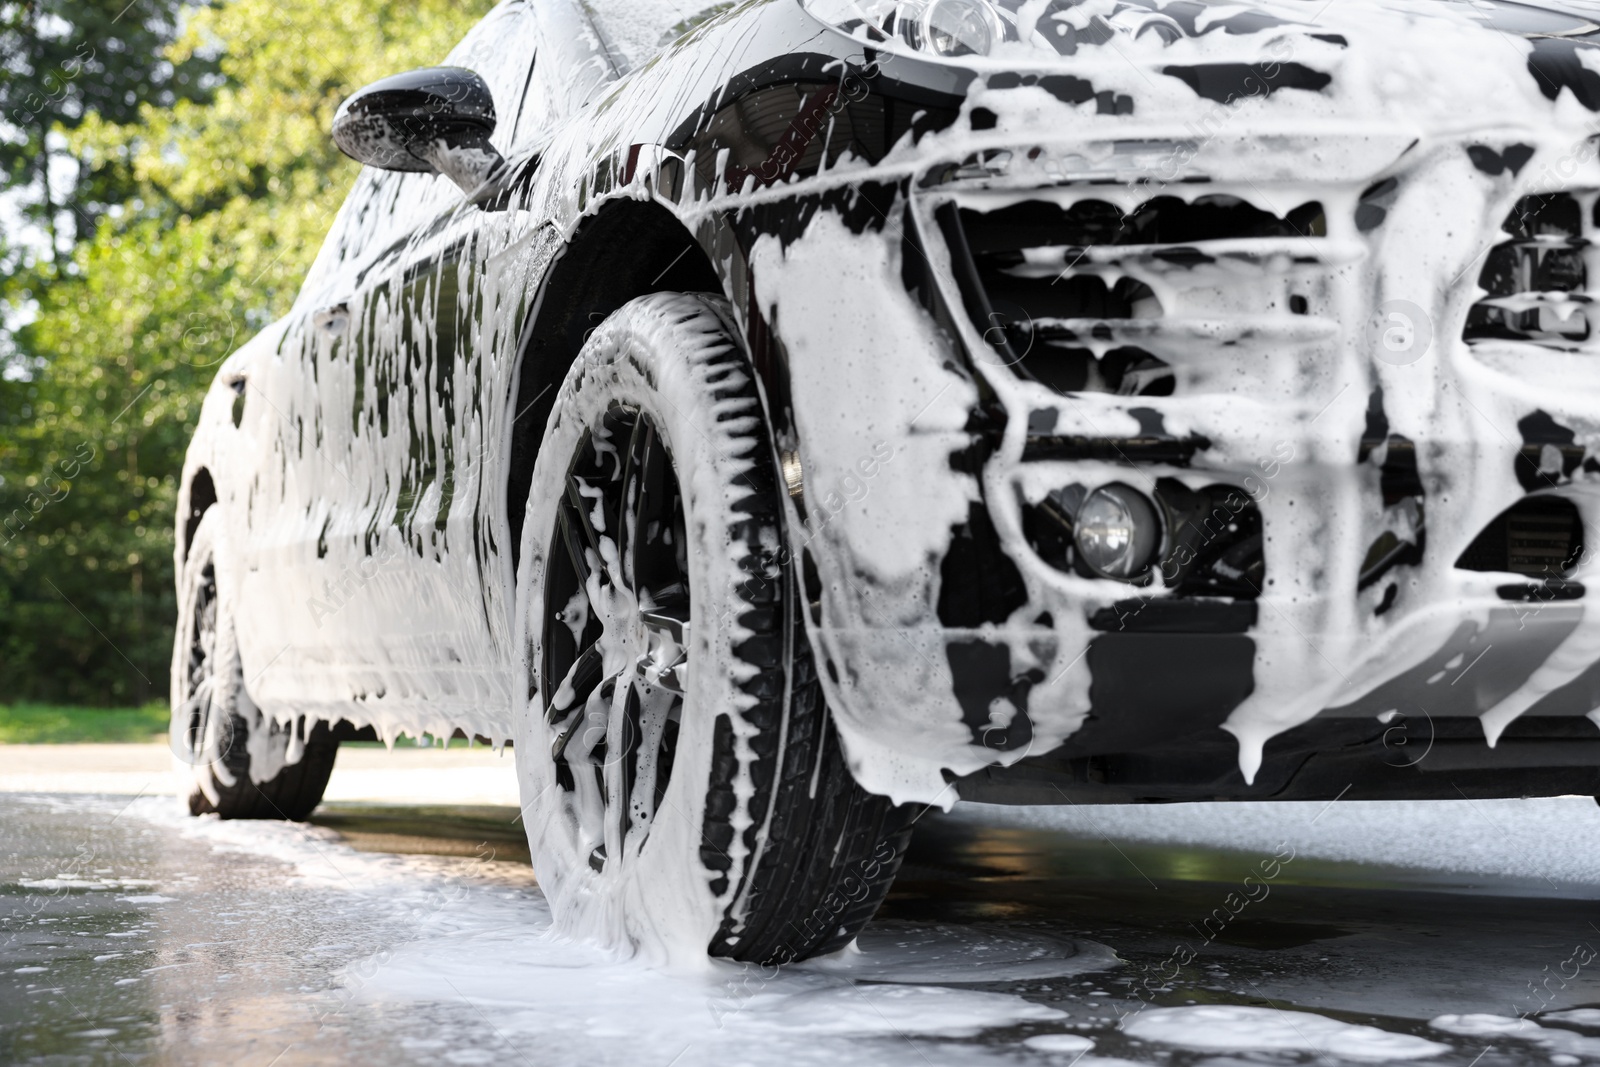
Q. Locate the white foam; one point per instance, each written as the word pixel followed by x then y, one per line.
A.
pixel 635 28
pixel 424 645
pixel 938 952
pixel 1556 1041
pixel 483 933
pixel 480 934
pixel 1069 1043
pixel 78 881
pixel 530 982
pixel 1238 1028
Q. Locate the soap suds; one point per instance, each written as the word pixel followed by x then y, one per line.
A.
pixel 1235 1028
pixel 1554 1040
pixel 401 466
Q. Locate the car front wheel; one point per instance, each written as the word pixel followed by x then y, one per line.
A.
pixel 683 787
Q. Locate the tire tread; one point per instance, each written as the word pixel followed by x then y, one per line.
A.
pixel 830 849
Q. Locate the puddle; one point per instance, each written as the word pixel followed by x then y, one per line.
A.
pixel 1268 936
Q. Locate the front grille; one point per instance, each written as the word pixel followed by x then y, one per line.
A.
pixel 1536 282
pixel 1540 536
pixel 1053 290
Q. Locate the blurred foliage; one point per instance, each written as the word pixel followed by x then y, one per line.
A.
pixel 224 201
pixel 46 724
pixel 68 62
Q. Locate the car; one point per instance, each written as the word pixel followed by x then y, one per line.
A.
pixel 776 420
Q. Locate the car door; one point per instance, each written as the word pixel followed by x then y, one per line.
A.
pixel 365 558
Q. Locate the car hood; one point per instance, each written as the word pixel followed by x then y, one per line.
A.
pixel 1547 37
pixel 1422 63
pixel 1199 18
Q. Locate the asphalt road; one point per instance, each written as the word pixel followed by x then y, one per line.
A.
pixel 131 934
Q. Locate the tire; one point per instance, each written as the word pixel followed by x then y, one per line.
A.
pixel 234 761
pixel 683 787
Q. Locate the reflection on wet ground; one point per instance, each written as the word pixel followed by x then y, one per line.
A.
pixel 387 934
pixel 460 830
pixel 1361 943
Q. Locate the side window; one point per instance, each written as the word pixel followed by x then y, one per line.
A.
pixel 347 238
pixel 635 30
pixel 500 50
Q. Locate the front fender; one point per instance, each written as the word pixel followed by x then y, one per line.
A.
pixel 216 451
pixel 878 403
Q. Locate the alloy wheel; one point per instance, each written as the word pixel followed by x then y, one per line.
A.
pixel 616 608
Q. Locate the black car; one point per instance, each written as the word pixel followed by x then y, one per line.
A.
pixel 778 418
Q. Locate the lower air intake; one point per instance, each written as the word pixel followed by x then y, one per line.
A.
pixel 1539 536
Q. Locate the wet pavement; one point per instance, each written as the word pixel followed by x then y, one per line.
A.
pixel 132 934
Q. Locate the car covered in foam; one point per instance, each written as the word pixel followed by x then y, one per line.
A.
pixel 778 417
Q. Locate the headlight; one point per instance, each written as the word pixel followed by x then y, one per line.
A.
pixel 950 27
pixel 1117 532
pixel 943 28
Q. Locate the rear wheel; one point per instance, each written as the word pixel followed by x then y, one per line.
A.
pixel 683 785
pixel 234 761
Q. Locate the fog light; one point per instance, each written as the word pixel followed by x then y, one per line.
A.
pixel 1117 532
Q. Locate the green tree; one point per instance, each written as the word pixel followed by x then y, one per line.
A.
pixel 228 200
pixel 63 62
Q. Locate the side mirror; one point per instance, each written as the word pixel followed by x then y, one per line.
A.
pixel 436 120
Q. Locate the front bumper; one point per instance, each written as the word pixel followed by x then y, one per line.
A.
pixel 1286 385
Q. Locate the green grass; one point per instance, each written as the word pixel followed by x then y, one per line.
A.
pixel 407 741
pixel 48 724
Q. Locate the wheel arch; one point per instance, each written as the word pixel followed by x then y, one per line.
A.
pixel 625 249
pixel 199 495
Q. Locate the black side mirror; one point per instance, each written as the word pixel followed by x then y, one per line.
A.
pixel 436 120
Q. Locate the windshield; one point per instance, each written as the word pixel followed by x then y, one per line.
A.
pixel 635 30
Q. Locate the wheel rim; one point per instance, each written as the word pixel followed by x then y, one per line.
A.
pixel 196 713
pixel 615 662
